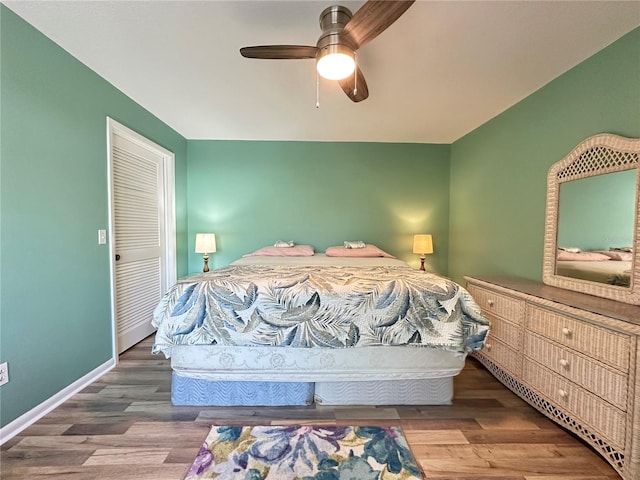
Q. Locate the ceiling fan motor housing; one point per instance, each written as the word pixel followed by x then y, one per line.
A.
pixel 332 22
pixel 334 16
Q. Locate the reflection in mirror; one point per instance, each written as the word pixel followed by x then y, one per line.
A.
pixel 592 224
pixel 596 217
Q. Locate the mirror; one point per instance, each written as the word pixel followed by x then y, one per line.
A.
pixel 592 231
pixel 596 215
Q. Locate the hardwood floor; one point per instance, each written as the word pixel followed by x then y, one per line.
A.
pixel 124 427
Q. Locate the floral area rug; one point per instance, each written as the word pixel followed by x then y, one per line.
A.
pixel 296 452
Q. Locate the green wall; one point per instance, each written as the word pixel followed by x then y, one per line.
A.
pixel 498 171
pixel 253 193
pixel 598 213
pixel 55 320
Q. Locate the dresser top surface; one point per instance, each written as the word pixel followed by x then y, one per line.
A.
pixel 602 306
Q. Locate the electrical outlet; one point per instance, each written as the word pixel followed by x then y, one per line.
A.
pixel 4 373
pixel 102 237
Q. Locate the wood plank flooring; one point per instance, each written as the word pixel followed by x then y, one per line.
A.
pixel 124 427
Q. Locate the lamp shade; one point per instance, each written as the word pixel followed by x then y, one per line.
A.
pixel 422 244
pixel 205 242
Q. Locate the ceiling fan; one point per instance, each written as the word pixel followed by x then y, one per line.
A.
pixel 342 34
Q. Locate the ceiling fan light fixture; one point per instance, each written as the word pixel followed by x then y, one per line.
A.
pixel 335 62
pixel 343 34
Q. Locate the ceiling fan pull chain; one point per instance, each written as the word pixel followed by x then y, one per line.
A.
pixel 355 76
pixel 317 89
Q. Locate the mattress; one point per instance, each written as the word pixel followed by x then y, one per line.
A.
pixel 283 364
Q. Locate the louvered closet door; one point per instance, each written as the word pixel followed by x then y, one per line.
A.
pixel 138 217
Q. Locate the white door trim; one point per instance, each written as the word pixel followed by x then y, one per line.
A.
pixel 169 213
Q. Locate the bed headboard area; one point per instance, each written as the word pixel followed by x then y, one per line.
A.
pixel 592 230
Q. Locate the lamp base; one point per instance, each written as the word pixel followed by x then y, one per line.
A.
pixel 422 258
pixel 205 257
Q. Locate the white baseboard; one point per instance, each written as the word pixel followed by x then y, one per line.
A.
pixel 12 429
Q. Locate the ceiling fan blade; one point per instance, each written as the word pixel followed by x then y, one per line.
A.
pixel 373 18
pixel 348 84
pixel 279 52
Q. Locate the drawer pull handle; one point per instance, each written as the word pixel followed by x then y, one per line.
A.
pixel 491 302
pixel 488 347
pixel 564 362
pixel 566 332
pixel 563 393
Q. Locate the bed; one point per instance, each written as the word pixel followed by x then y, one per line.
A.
pixel 331 330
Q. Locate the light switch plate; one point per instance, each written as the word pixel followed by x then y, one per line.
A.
pixel 102 237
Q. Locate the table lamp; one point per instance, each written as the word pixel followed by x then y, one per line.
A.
pixel 206 244
pixel 422 244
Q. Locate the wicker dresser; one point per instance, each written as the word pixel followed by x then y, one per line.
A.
pixel 572 356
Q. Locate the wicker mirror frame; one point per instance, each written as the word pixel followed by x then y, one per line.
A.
pixel 597 155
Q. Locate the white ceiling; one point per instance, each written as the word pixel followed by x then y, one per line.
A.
pixel 443 69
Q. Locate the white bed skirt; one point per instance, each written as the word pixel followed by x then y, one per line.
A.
pixel 379 375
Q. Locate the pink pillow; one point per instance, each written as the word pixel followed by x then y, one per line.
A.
pixel 581 256
pixel 295 251
pixel 367 251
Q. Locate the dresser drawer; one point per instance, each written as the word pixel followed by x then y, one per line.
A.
pixel 505 357
pixel 605 382
pixel 506 332
pixel 497 304
pixel 588 410
pixel 598 342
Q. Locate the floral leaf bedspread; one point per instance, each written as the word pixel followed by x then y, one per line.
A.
pixel 319 306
